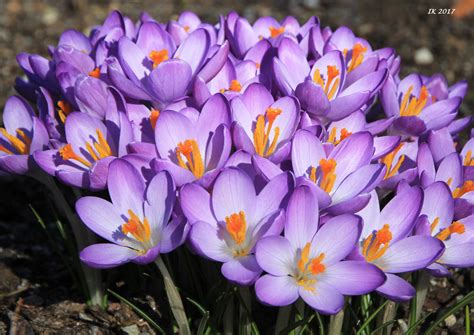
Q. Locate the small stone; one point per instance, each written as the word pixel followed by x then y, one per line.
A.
pixel 50 16
pixel 450 321
pixel 423 56
pixel 131 330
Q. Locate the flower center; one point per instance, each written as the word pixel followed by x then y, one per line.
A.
pixel 158 56
pixel 358 51
pixel 331 83
pixel 236 226
pixel 307 268
pixel 64 110
pixel 376 244
pixel 97 150
pixel 154 114
pixel 234 86
pixel 140 230
pixel 261 136
pixel 95 73
pixel 412 106
pixel 455 228
pixel 468 186
pixel 333 136
pixel 388 160
pixel 275 32
pixel 190 150
pixel 328 175
pixel 468 160
pixel 20 143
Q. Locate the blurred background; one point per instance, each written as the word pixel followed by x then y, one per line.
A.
pixel 36 291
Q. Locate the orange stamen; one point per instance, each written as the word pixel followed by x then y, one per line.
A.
pixel 455 228
pixel 190 150
pixel 374 246
pixel 21 143
pixel 275 32
pixel 64 110
pixel 357 56
pixel 388 161
pixel 328 175
pixel 139 229
pixel 468 160
pixel 236 226
pixel 261 136
pixel 468 186
pixel 154 114
pixel 434 224
pixel 158 56
pixel 98 149
pixel 332 73
pixel 95 73
pixel 333 136
pixel 309 267
pixel 67 153
pixel 186 28
pixel 235 86
pixel 413 106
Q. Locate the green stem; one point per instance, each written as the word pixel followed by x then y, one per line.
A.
pixel 83 239
pixel 174 299
pixel 421 291
pixel 283 318
pixel 229 317
pixel 335 325
pixel 389 314
pixel 245 310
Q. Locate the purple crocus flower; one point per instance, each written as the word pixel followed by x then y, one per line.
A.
pixel 386 242
pixel 23 135
pixel 342 178
pixel 91 145
pixel 192 145
pixel 226 224
pixel 416 106
pixel 437 221
pixel 262 125
pixel 321 88
pixel 136 221
pixel 308 262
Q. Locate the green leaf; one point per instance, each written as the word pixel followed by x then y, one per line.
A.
pixel 451 310
pixel 298 324
pixel 382 327
pixel 138 310
pixel 468 320
pixel 370 318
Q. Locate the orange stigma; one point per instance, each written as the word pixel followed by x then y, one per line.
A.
pixel 455 228
pixel 190 150
pixel 139 229
pixel 468 160
pixel 377 243
pixel 158 56
pixel 21 142
pixel 309 267
pixel 236 226
pixel 388 161
pixel 328 175
pixel 358 52
pixel 468 186
pixel 331 83
pixel 154 114
pixel 186 28
pixel 333 136
pixel 64 110
pixel 234 87
pixel 275 32
pixel 97 150
pixel 95 73
pixel 261 137
pixel 414 106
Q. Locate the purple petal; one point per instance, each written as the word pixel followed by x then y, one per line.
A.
pixel 458 255
pixel 194 49
pixel 325 298
pixel 107 255
pixel 162 82
pixel 196 204
pixel 242 270
pixel 271 196
pixel 275 255
pixel 396 289
pixel 208 242
pixel 276 291
pixel 312 98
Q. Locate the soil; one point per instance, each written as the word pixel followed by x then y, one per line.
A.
pixel 37 292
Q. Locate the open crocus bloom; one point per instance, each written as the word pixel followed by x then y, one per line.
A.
pixel 150 67
pixel 437 221
pixel 226 225
pixel 416 107
pixel 308 261
pixel 386 242
pixel 192 145
pixel 136 221
pixel 450 171
pixel 91 145
pixel 320 88
pixel 23 134
pixel 343 178
pixel 262 125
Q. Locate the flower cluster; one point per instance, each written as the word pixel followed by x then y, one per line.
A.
pixel 269 148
